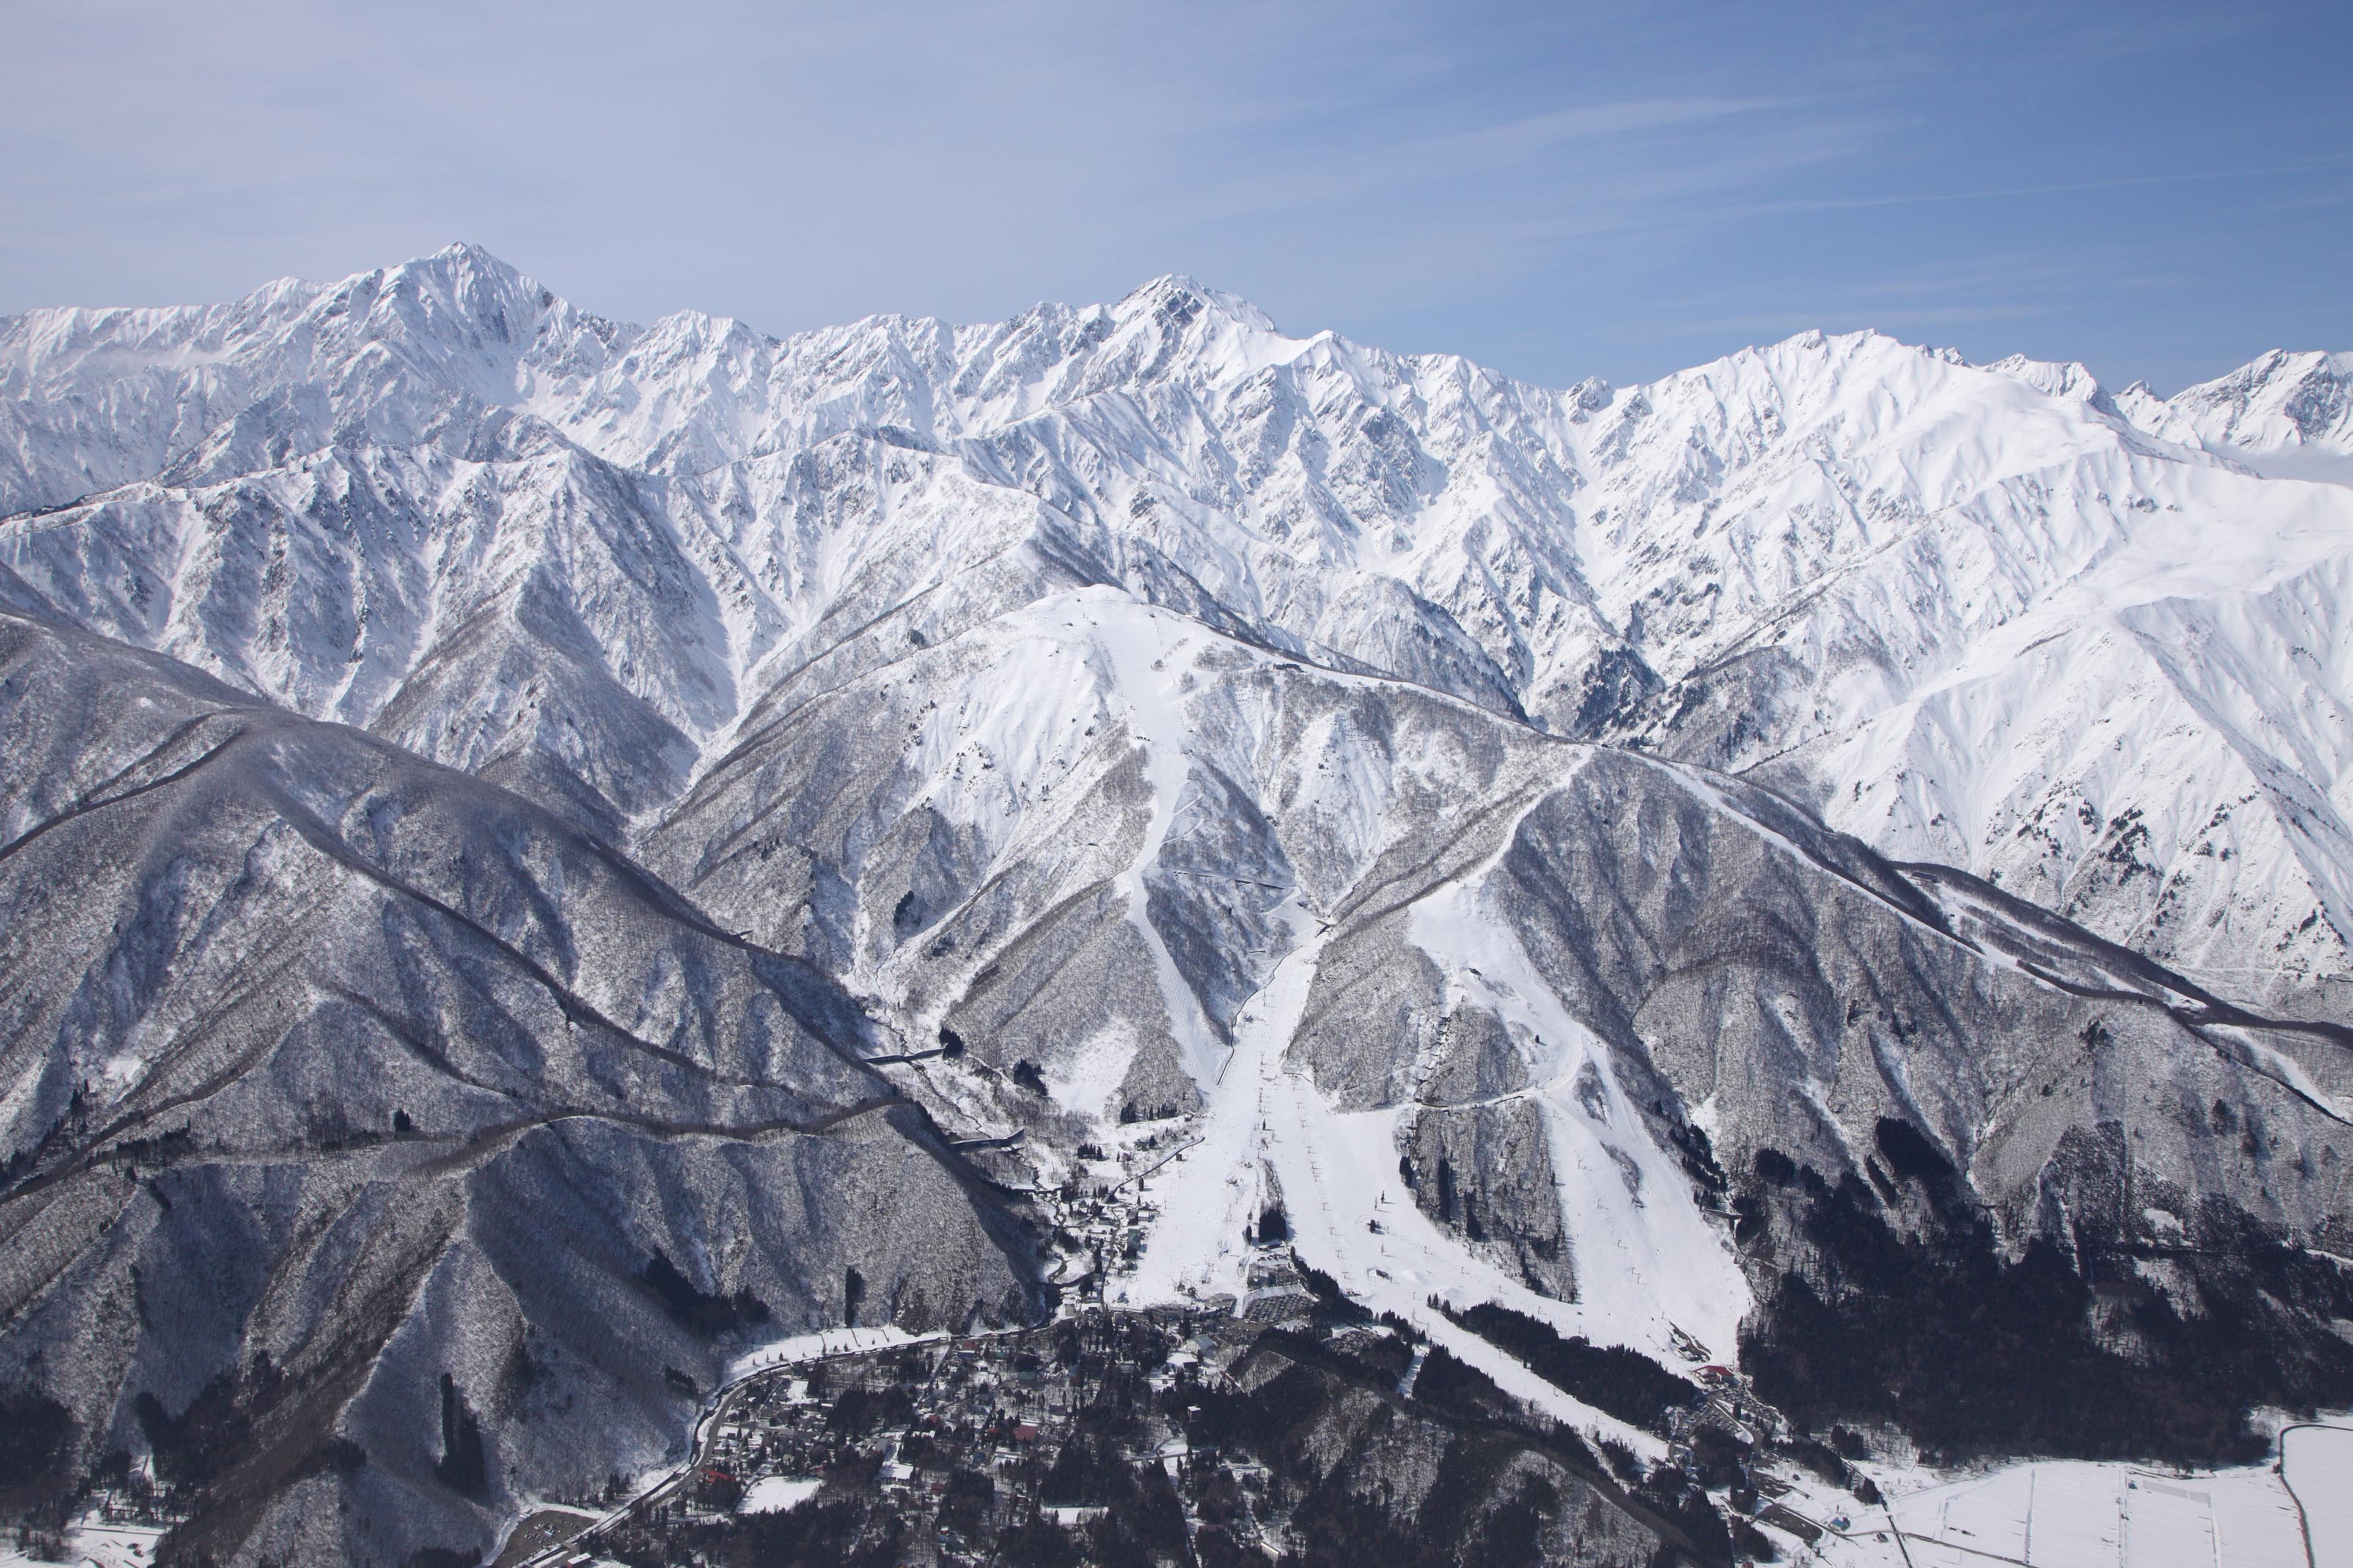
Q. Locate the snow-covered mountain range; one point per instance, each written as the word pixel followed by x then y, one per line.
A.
pixel 1380 766
pixel 1986 616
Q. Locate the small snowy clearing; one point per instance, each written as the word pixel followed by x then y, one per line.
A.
pixel 778 1494
pixel 818 1345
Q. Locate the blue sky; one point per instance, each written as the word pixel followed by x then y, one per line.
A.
pixel 2160 190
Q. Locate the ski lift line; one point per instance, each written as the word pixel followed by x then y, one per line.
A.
pixel 906 1056
pixel 1949 1546
pixel 966 1145
pixel 1221 877
pixel 1150 1170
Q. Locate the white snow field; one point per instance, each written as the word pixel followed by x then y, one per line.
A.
pixel 2317 1464
pixel 818 1346
pixel 2057 1514
pixel 778 1494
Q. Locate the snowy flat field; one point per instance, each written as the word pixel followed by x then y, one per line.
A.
pixel 2058 1514
pixel 778 1494
pixel 2318 1462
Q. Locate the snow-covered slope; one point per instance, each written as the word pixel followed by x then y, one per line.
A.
pixel 439 503
pixel 1414 799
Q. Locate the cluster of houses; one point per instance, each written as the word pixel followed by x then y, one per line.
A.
pixel 955 1439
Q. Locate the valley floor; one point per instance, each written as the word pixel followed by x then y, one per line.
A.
pixel 2076 1515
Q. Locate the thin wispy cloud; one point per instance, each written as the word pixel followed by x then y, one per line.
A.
pixel 2069 187
pixel 1558 129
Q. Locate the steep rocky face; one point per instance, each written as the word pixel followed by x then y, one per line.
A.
pixel 2280 404
pixel 381 1149
pixel 1415 802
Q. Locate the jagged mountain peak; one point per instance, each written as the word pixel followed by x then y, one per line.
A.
pixel 2279 401
pixel 2070 379
pixel 1808 368
pixel 1175 293
pixel 463 267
